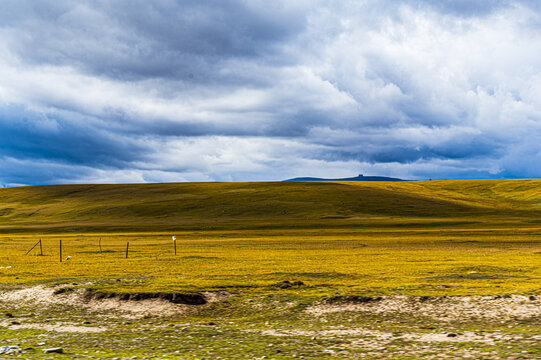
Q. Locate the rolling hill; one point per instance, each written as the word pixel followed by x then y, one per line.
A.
pixel 155 207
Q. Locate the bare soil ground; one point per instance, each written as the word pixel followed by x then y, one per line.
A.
pixel 48 296
pixel 449 309
pixel 240 327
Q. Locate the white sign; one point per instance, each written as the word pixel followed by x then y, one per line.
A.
pixel 174 238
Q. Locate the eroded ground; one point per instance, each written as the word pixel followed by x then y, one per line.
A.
pixel 284 325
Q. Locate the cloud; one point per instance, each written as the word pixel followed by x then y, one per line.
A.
pixel 48 137
pixel 134 40
pixel 136 91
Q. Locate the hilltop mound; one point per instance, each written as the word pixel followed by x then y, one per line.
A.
pixel 360 177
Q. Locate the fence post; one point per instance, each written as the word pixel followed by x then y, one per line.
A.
pixel 40 248
pixel 60 245
pixel 36 244
pixel 127 248
pixel 100 247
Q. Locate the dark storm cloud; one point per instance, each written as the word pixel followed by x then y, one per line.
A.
pixel 186 40
pixel 388 149
pixel 18 173
pixel 107 91
pixel 30 135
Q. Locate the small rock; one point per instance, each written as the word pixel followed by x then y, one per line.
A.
pixel 40 344
pixel 211 323
pixel 532 298
pixel 86 322
pixel 57 350
pixel 451 335
pixel 10 350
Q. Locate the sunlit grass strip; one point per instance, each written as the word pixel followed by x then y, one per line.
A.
pixel 413 263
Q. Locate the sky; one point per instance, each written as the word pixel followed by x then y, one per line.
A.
pixel 225 90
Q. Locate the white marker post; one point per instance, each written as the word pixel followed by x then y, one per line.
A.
pixel 175 244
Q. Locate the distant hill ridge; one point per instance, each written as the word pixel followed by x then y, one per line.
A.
pixel 360 177
pixel 170 207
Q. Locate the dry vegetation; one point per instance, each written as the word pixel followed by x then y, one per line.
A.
pixel 326 270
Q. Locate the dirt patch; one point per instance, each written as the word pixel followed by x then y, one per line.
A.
pixel 39 294
pixel 139 304
pixel 450 309
pixel 215 296
pixel 351 299
pixel 175 298
pixel 58 327
pixel 372 339
pixel 136 309
pixel 451 337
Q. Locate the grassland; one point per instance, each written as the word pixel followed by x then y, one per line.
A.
pixel 409 237
pixel 437 239
pixel 233 206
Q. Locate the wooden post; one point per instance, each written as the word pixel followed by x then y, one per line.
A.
pixel 175 245
pixel 127 248
pixel 40 248
pixel 60 250
pixel 28 252
pixel 100 247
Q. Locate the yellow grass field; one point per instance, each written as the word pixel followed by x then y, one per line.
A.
pixel 421 238
pixel 420 262
pixel 323 270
